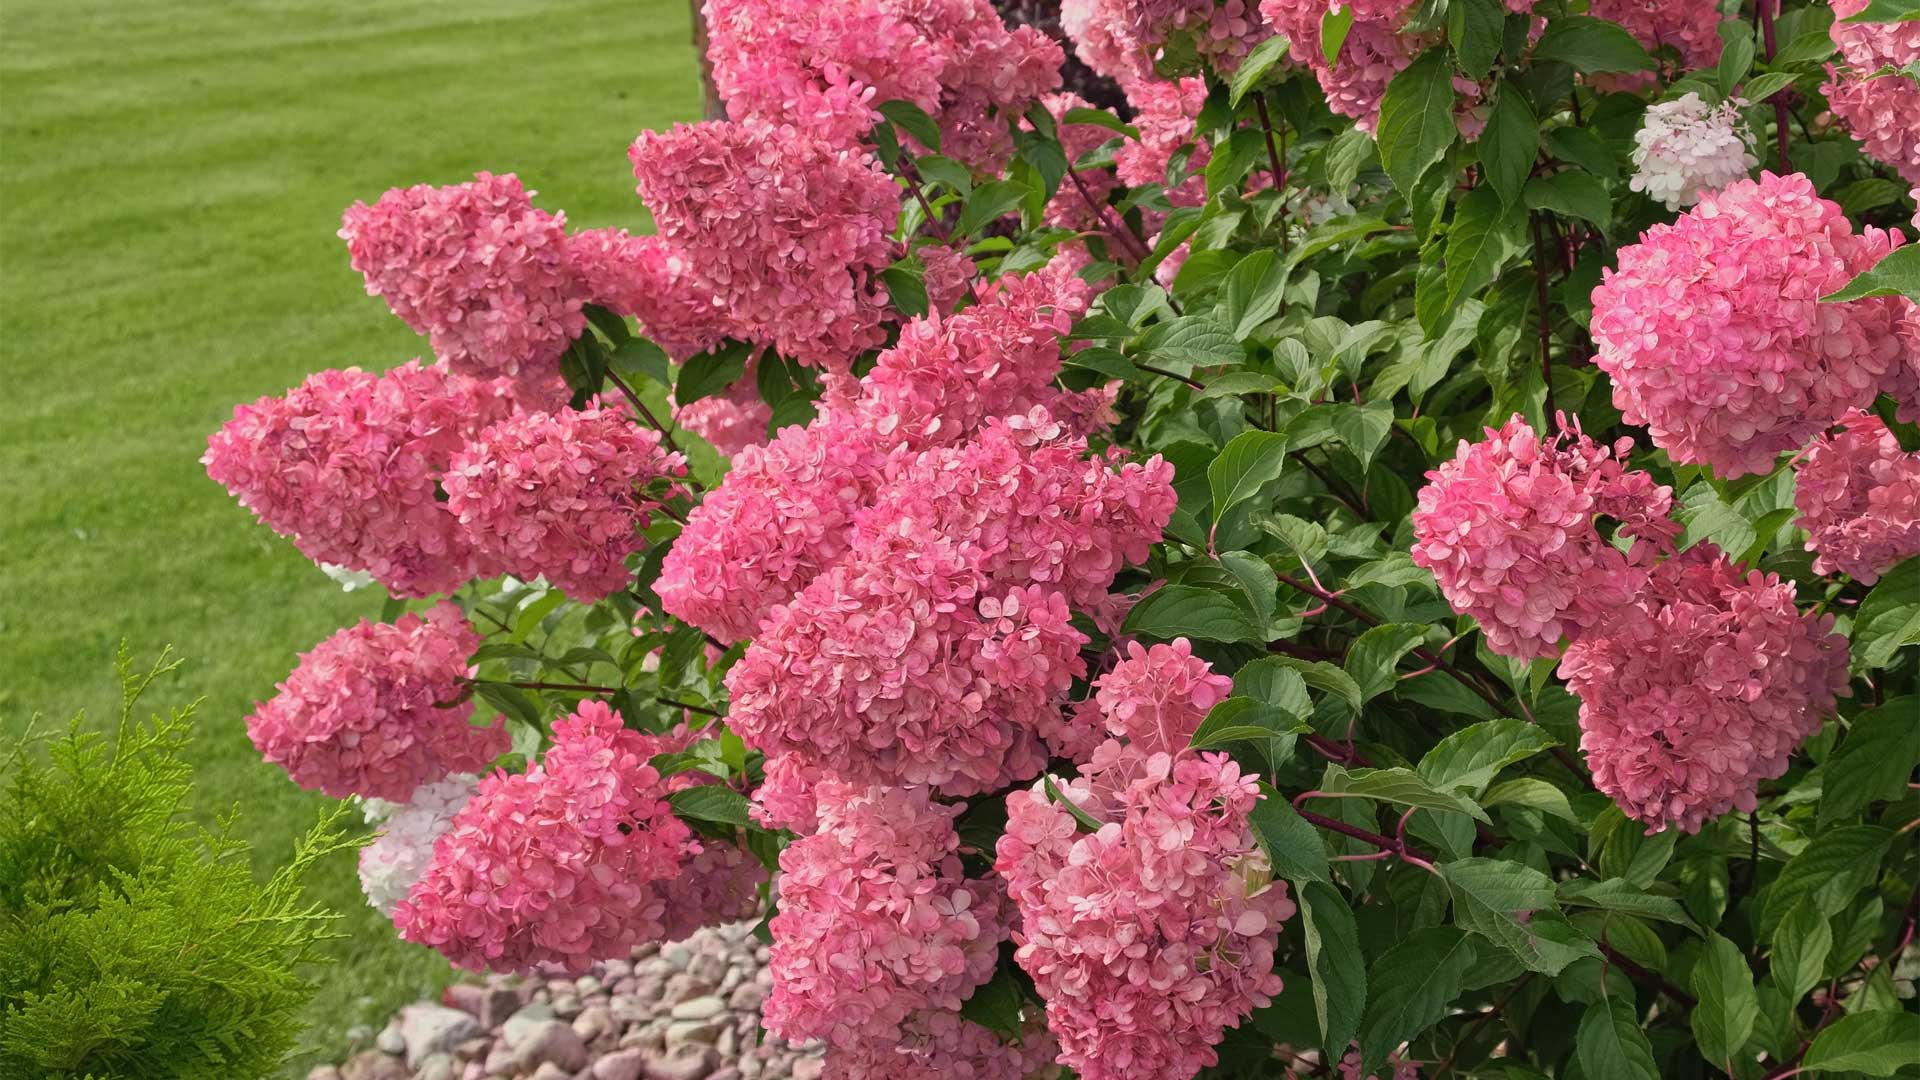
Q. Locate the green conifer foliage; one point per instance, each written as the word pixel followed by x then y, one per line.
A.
pixel 133 942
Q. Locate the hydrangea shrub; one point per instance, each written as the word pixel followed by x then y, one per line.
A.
pixel 1392 551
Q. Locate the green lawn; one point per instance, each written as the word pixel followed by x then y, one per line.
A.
pixel 171 177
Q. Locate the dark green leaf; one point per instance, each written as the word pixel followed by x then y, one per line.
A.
pixel 997 1006
pixel 1269 52
pixel 1510 143
pixel 1293 847
pixel 1252 293
pixel 1514 906
pixel 710 373
pixel 1471 757
pixel 1374 656
pixel 1591 45
pixel 1874 1043
pixel 1881 750
pixel 1484 234
pixel 1736 55
pixel 1087 822
pixel 1396 785
pixel 1889 618
pixel 1581 147
pixel 1186 611
pixel 989 203
pixel 1416 119
pixel 1800 946
pixel 913 120
pixel 1572 194
pixel 1192 340
pixel 1611 1045
pixel 1724 1016
pixel 710 802
pixel 1896 275
pixel 1474 29
pixel 1333 955
pixel 1101 118
pixel 1251 461
pixel 1411 985
pixel 1835 866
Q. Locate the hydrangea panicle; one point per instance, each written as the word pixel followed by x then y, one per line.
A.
pixel 557 865
pixel 1859 499
pixel 791 230
pixel 1686 147
pixel 401 852
pixel 877 919
pixel 1701 689
pixel 1880 110
pixel 940 1044
pixel 380 709
pixel 563 494
pixel 1508 529
pixel 1713 332
pixel 346 465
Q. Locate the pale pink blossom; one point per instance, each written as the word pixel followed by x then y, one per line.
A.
pixel 1859 499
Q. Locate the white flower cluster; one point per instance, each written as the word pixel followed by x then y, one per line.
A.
pixel 1686 148
pixel 399 855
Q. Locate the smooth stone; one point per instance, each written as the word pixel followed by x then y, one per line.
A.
pixel 704 1032
pixel 593 1023
pixel 587 986
pixel 426 1030
pixel 323 1072
pixel 549 1071
pixel 809 1068
pixel 552 1041
pixel 568 1005
pixel 700 1008
pixel 436 1067
pixel 620 1065
pixel 390 1041
pixel 373 1065
pixel 529 1016
pixel 677 957
pixel 747 997
pixel 687 1062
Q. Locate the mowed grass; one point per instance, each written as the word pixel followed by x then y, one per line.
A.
pixel 171 177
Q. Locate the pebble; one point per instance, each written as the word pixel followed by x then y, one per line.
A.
pixel 390 1041
pixel 619 1065
pixel 593 1023
pixel 701 1008
pixel 529 1017
pixel 436 1067
pixel 426 1030
pixel 552 1042
pixel 688 1062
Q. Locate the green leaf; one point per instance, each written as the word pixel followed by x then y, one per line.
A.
pixel 1484 233
pixel 1619 894
pixel 1886 11
pixel 1514 907
pixel 1416 119
pixel 1736 55
pixel 1243 718
pixel 1592 46
pixel 1530 792
pixel 1087 822
pixel 1324 676
pixel 1475 29
pixel 1334 26
pixel 1829 872
pixel 997 1006
pixel 637 356
pixel 1374 655
pixel 1874 1043
pixel 1889 618
pixel 1195 340
pixel 1800 946
pixel 1881 750
pixel 1187 611
pixel 710 373
pixel 1579 146
pixel 1251 461
pixel 1345 156
pixel 1471 757
pixel 710 802
pixel 1761 87
pixel 1292 845
pixel 1396 785
pixel 1103 118
pixel 509 701
pixel 1573 194
pixel 1896 275
pixel 1510 143
pixel 913 120
pixel 1252 293
pixel 1412 984
pixel 1724 1016
pixel 1362 427
pixel 906 288
pixel 1610 1043
pixel 989 203
pixel 1255 67
pixel 1333 952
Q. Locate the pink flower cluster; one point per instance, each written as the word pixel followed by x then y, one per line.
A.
pixel 942 1045
pixel 784 228
pixel 1701 689
pixel 379 709
pixel 477 269
pixel 1882 111
pixel 1150 936
pixel 345 464
pixel 732 420
pixel 645 278
pixel 1129 39
pixel 1375 50
pixel 1508 529
pixel 1859 499
pixel 557 865
pixel 785 511
pixel 563 494
pixel 1164 115
pixel 1690 33
pixel 1712 330
pixel 823 66
pixel 877 920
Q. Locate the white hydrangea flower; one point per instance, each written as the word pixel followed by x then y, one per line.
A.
pixel 348 580
pixel 400 854
pixel 1686 148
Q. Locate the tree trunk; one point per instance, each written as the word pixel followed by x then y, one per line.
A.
pixel 712 107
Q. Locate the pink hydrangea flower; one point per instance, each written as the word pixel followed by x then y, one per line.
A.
pixel 1375 50
pixel 784 799
pixel 1883 113
pixel 1125 39
pixel 1859 500
pixel 401 852
pixel 1164 114
pixel 477 269
pixel 1152 935
pixel 1684 37
pixel 345 465
pixel 1701 689
pixel 791 230
pixel 557 865
pixel 917 659
pixel 1713 333
pixel 785 510
pixel 877 920
pixel 1397 1068
pixel 822 65
pixel 939 1044
pixel 949 276
pixel 379 709
pixel 1903 378
pixel 1069 208
pixel 563 494
pixel 645 278
pixel 1508 529
pixel 717 882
